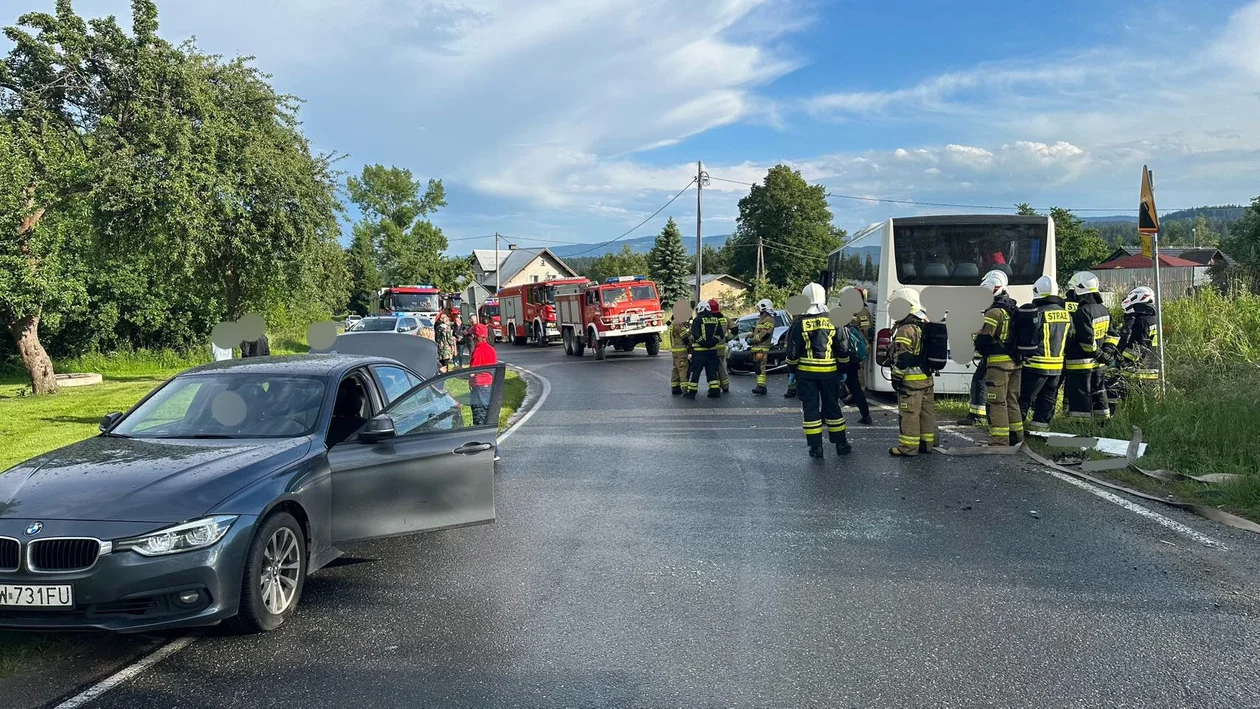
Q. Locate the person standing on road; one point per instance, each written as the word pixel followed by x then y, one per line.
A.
pixel 864 325
pixel 1043 370
pixel 444 336
pixel 707 330
pixel 481 384
pixel 760 341
pixel 818 353
pixel 679 346
pixel 916 396
pixel 1091 321
pixel 996 344
pixel 977 408
pixel 722 350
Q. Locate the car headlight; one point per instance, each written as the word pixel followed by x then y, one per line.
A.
pixel 197 534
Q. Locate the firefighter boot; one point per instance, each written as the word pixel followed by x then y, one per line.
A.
pixel 715 393
pixel 867 420
pixel 1016 438
pixel 676 391
pixel 760 389
pixel 842 445
pixel 925 447
pixel 815 452
pixel 790 393
pixel 689 394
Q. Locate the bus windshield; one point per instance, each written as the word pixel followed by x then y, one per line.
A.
pixel 960 254
pixel 414 302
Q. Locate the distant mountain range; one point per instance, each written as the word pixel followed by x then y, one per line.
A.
pixel 638 245
pixel 1227 213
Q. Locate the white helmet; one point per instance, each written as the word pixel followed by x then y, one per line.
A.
pixel 764 305
pixel 996 280
pixel 703 307
pixel 817 294
pixel 1045 286
pixel 1141 294
pixel 1083 282
pixel 912 296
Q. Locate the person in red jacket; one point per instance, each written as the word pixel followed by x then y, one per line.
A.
pixel 481 384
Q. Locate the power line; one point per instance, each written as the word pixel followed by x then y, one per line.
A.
pixel 888 200
pixel 632 229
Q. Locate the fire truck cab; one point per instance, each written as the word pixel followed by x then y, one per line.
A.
pixel 621 312
pixel 489 313
pixel 528 311
pixel 410 301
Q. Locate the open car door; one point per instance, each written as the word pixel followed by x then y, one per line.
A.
pixel 434 471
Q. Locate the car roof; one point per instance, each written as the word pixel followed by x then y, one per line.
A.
pixel 307 364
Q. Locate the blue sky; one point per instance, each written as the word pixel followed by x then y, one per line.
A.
pixel 572 120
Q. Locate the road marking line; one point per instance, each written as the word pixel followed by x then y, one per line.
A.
pixel 100 688
pixel 546 392
pixel 1140 510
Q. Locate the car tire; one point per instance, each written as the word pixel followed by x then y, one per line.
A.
pixel 653 346
pixel 279 546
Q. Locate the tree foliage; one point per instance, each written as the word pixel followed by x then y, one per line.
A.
pixel 150 190
pixel 793 222
pixel 669 265
pixel 407 248
pixel 1079 248
pixel 1243 244
pixel 621 263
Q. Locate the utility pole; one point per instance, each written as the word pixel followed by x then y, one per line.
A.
pixel 496 265
pixel 699 231
pixel 761 259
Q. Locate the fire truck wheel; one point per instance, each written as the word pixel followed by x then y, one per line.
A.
pixel 601 349
pixel 579 346
pixel 568 342
pixel 540 336
pixel 653 346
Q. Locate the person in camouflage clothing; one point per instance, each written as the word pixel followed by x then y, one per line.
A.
pixel 444 335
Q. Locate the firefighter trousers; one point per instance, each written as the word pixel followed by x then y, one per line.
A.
pixel 820 409
pixel 679 376
pixel 762 357
pixel 1002 384
pixel 705 361
pixel 917 408
pixel 979 400
pixel 1098 393
pixel 1078 392
pixel 1039 392
pixel 723 376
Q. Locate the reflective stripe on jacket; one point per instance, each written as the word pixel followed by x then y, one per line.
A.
pixel 816 347
pixel 1056 329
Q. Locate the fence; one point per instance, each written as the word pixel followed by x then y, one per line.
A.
pixel 1177 281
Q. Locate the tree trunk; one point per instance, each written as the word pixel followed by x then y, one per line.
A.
pixel 25 332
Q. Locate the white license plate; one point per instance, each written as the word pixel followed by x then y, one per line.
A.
pixel 36 596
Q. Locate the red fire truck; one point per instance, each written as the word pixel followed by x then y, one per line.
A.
pixel 528 312
pixel 419 300
pixel 621 312
pixel 489 313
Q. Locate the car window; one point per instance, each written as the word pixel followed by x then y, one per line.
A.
pixel 408 324
pixel 228 405
pixel 395 381
pixel 428 409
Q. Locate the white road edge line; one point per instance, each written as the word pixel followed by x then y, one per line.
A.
pixel 1133 507
pixel 100 688
pixel 546 392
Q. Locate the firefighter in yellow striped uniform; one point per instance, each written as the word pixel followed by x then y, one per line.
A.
pixel 679 347
pixel 818 353
pixel 1043 371
pixel 916 394
pixel 760 340
pixel 724 377
pixel 707 330
pixel 996 343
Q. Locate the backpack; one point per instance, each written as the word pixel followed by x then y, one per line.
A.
pixel 1027 331
pixel 935 346
pixel 857 344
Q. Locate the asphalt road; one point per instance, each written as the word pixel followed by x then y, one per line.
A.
pixel 656 552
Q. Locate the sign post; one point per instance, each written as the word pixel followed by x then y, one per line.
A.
pixel 1148 227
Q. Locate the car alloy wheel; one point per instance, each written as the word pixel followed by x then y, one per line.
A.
pixel 282 567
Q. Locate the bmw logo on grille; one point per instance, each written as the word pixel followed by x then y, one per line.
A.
pixel 34 528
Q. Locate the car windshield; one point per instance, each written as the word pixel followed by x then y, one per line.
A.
pixel 414 302
pixel 228 405
pixel 377 325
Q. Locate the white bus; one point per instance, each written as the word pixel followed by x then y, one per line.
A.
pixel 917 252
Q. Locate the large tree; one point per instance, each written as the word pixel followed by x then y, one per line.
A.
pixel 1079 248
pixel 408 247
pixel 191 167
pixel 791 219
pixel 1243 245
pixel 668 262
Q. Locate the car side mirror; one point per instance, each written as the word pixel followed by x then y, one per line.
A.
pixel 108 420
pixel 378 428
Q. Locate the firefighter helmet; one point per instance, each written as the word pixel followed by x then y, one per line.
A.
pixel 1084 282
pixel 703 307
pixel 714 305
pixel 817 294
pixel 764 305
pixel 996 280
pixel 1139 295
pixel 911 296
pixel 1045 286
